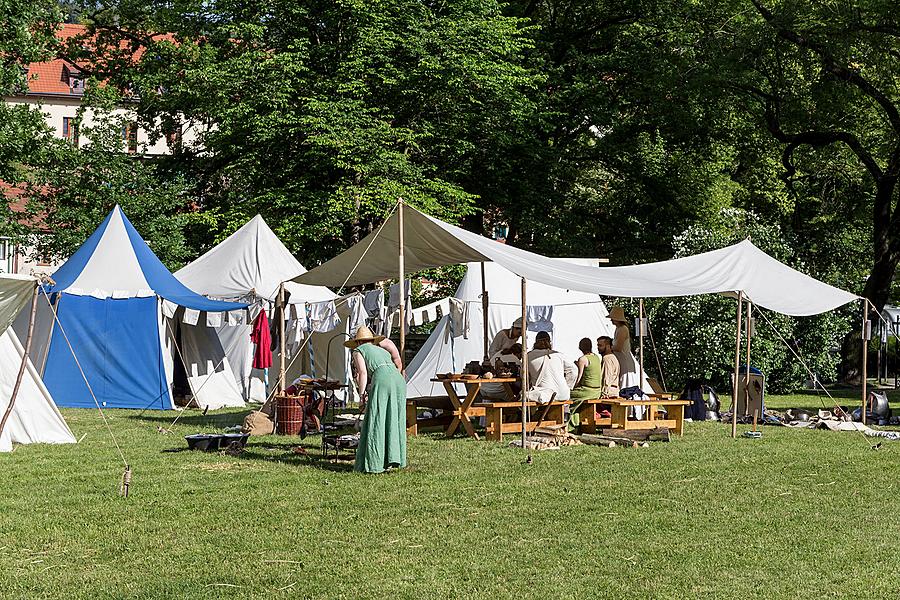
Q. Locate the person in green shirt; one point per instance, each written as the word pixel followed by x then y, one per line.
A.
pixel 590 373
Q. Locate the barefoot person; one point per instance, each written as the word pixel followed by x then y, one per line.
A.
pixel 382 442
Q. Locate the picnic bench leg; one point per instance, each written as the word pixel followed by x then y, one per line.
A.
pixel 457 407
pixel 619 416
pixel 494 418
pixel 412 427
pixel 678 413
pixel 588 418
pixel 471 395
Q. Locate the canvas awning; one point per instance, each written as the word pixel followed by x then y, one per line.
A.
pixel 15 291
pixel 430 242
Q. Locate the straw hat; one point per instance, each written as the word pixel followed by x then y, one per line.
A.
pixel 363 335
pixel 617 315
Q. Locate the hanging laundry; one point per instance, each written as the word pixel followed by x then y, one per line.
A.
pixel 373 301
pixel 322 316
pixel 358 312
pixel 262 355
pixel 214 319
pixel 394 295
pixel 540 318
pixel 459 318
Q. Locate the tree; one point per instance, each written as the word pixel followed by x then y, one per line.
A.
pixel 320 115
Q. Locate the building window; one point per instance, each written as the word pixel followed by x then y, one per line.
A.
pixel 70 129
pixel 6 256
pixel 129 135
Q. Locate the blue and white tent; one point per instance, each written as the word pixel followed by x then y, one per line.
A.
pixel 115 299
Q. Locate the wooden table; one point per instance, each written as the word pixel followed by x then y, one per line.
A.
pixel 675 409
pixel 462 410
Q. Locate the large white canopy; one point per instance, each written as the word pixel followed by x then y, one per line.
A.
pixel 430 242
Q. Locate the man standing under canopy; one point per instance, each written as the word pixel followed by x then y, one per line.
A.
pixel 505 338
pixel 382 389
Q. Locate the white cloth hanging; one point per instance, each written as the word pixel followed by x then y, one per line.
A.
pixel 540 318
pixel 323 316
pixel 190 316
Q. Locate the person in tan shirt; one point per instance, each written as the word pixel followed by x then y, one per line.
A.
pixel 610 367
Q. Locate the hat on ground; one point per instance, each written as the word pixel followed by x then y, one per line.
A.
pixel 517 323
pixel 363 335
pixel 617 315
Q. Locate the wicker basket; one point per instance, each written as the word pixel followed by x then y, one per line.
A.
pixel 290 413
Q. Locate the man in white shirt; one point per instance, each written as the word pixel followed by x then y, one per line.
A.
pixel 506 338
pixel 549 372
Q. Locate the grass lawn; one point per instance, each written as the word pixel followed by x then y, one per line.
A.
pixel 798 514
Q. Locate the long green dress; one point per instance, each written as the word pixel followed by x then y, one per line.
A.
pixel 382 442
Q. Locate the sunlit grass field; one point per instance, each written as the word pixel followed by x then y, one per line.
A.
pixel 797 514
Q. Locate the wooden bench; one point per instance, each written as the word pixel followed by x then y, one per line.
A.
pixel 587 415
pixel 552 413
pixel 674 408
pixel 413 422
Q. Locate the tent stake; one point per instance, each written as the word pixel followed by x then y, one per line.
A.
pixel 402 268
pixel 865 358
pixel 484 311
pixel 524 360
pixel 15 391
pixel 737 366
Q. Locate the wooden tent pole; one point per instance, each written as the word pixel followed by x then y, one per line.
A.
pixel 15 391
pixel 641 341
pixel 282 347
pixel 485 304
pixel 524 361
pixel 737 366
pixel 402 269
pixel 747 370
pixel 865 358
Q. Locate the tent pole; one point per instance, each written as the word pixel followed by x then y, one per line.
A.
pixel 747 370
pixel 484 311
pixel 641 341
pixel 524 360
pixel 15 391
pixel 737 367
pixel 49 336
pixel 281 345
pixel 402 268
pixel 865 357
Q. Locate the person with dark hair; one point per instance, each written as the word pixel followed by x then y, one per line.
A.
pixel 590 373
pixel 550 374
pixel 610 366
pixel 510 356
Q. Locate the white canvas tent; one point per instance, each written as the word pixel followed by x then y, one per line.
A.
pixel 249 266
pixel 34 417
pixel 575 315
pixel 410 240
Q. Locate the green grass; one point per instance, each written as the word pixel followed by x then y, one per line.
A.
pixel 798 514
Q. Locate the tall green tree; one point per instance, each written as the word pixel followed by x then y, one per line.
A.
pixel 321 115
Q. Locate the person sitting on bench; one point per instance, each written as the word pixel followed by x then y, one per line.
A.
pixel 550 374
pixel 590 373
pixel 610 363
pixel 511 356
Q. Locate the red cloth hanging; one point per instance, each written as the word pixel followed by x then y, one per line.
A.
pixel 262 356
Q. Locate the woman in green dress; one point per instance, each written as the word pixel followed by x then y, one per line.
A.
pixel 382 388
pixel 590 379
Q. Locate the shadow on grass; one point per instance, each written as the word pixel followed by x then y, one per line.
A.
pixel 197 419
